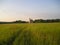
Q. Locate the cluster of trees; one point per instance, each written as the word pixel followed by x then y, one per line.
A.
pixel 20 21
pixel 46 21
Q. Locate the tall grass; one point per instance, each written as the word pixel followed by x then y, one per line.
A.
pixel 30 34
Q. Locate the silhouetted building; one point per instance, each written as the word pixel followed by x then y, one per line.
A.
pixel 30 20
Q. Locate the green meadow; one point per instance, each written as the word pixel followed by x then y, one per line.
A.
pixel 30 34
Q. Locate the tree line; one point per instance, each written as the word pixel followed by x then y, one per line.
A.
pixel 34 21
pixel 46 21
pixel 17 21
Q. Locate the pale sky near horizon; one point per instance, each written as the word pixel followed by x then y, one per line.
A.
pixel 11 10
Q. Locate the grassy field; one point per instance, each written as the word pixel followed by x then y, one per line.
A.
pixel 30 34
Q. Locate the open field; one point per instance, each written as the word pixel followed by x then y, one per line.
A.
pixel 30 34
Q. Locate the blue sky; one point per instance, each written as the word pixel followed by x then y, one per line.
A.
pixel 24 9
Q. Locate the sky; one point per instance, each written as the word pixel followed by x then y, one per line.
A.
pixel 11 10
